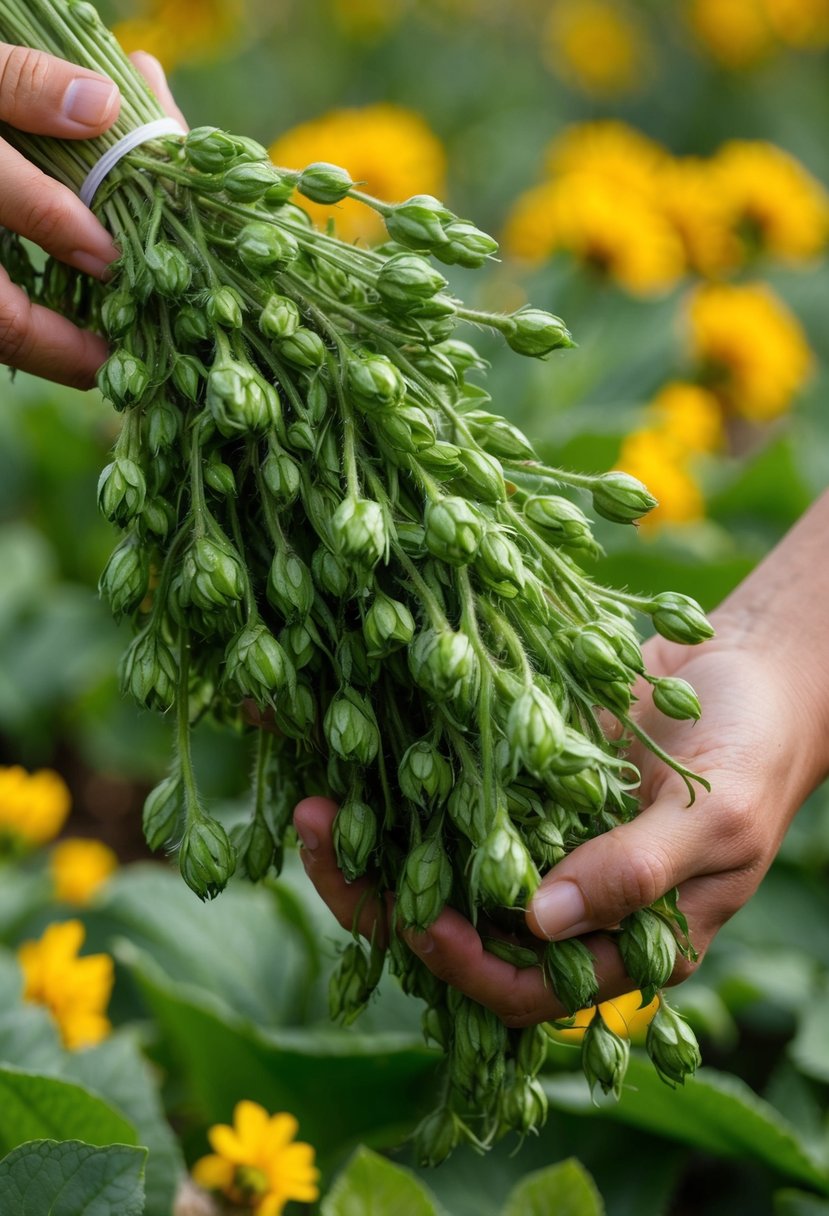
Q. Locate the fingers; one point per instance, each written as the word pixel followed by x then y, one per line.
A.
pixel 153 73
pixel 33 339
pixel 49 96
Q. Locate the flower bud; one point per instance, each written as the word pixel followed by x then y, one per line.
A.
pixel 483 476
pixel 124 379
pixel 424 775
pixel 499 437
pixel 443 662
pixel 621 498
pixel 290 586
pixel 163 811
pixel 434 365
pixel 301 436
pixel 303 349
pixel 296 717
pixel 503 874
pixel 524 1106
pixel 454 530
pixel 220 477
pixel 388 625
pixel 225 307
pixel 249 181
pixel 570 966
pixel 535 730
pixel 418 223
pixel 351 985
pixel 257 665
pixel 209 150
pixel 584 792
pixel 531 1055
pixel 604 1057
pixel 469 810
pixel 191 326
pixel 122 491
pixel 206 858
pixel 672 1046
pixel 407 279
pixel 126 579
pixel 353 661
pixel 118 314
pixel 355 837
pixel 264 246
pixel 437 1136
pixel 239 400
pixel 171 272
pixel 442 459
pixel 282 477
pixel 679 618
pixel 324 183
pixel 358 528
pixel 466 246
pixel 282 190
pixel 374 384
pixel 351 728
pixel 330 572
pixel 561 520
pixel 545 843
pixel 299 643
pixel 149 671
pixel 280 318
pixel 480 1037
pixel 212 576
pixel 676 698
pixel 594 656
pixel 257 850
pixel 648 948
pixel 536 333
pixel 499 564
pixel 425 885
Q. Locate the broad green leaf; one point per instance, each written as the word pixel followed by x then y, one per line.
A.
pixel 46 1178
pixel 372 1186
pixel 565 1189
pixel 34 1107
pixel 23 892
pixel 798 1203
pixel 810 1047
pixel 28 1035
pixel 714 1111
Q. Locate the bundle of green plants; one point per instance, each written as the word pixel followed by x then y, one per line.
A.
pixel 322 515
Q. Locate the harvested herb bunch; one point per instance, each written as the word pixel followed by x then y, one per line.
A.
pixel 321 515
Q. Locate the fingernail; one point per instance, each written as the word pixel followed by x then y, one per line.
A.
pixel 309 838
pixel 421 943
pixel 89 102
pixel 559 909
pixel 89 263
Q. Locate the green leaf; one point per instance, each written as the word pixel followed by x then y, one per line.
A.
pixel 810 1047
pixel 371 1186
pixel 715 1112
pixel 566 1189
pixel 34 1107
pixel 798 1203
pixel 73 1179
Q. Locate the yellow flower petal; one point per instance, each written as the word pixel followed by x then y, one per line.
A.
pixel 213 1173
pixel 225 1142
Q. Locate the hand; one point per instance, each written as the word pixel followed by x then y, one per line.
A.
pixel 48 96
pixel 753 746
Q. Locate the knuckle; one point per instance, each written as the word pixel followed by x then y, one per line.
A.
pixel 23 76
pixel 48 217
pixel 734 826
pixel 643 876
pixel 14 328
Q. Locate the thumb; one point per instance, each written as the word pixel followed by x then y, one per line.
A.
pixel 605 879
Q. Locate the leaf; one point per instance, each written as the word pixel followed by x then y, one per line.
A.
pixel 810 1047
pixel 372 1186
pixel 34 1107
pixel 798 1203
pixel 73 1179
pixel 714 1111
pixel 565 1189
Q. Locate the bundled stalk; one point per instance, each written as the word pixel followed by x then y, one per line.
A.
pixel 321 514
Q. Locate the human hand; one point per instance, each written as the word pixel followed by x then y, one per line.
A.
pixel 48 96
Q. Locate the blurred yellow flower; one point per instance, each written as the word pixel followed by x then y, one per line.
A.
pixel 736 33
pixel 181 31
pixel 772 202
pixel 75 990
pixel 80 868
pixel 690 196
pixel 367 19
pixel 609 150
pixel 689 416
pixel 33 806
pixel 257 1163
pixel 390 150
pixel 622 1015
pixel 597 46
pixel 655 458
pixel 751 350
pixel 800 23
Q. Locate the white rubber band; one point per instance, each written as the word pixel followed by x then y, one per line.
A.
pixel 141 135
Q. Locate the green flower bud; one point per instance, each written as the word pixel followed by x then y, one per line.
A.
pixel 531 1054
pixel 191 326
pixel 545 842
pixel 437 1136
pixel 536 333
pixel 480 1036
pixel 187 376
pixel 524 1106
pixel 454 530
pixel 212 576
pixel 431 363
pixel 303 349
pixel 278 195
pixel 621 498
pixel 149 671
pixel 355 837
pixel 225 307
pixel 299 643
pixel 324 183
pixel 503 874
pixel 353 661
pixel 206 858
pixel 499 564
pixel 264 246
pixel 406 280
pixel 424 775
pixel 158 517
pixel 351 985
pixel 257 850
pixel 351 728
pixel 239 400
pixel 464 358
pixel 388 625
pixel 171 272
pixel 249 150
pixel 443 663
pixel 672 1046
pixel 280 318
pixel 359 531
pixel 469 810
pixel 483 476
pixel 126 579
pixel 561 520
pixel 220 477
pixel 676 698
pixel 209 150
pixel 467 245
pixel 499 437
pixel 648 948
pixel 570 966
pixel 122 491
pixel 418 223
pixel 584 792
pixel 425 885
pixel 249 181
pixel 330 572
pixel 296 717
pixel 535 729
pixel 119 312
pixel 604 1057
pixel 290 586
pixel 124 379
pixel 282 477
pixel 301 437
pixel 442 459
pixel 595 657
pixel 679 618
pixel 257 666
pixel 374 384
pixel 163 812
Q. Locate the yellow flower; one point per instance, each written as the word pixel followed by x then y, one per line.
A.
pixel 689 416
pixel 597 46
pixel 736 33
pixel 622 1015
pixel 654 457
pixel 80 868
pixel 181 31
pixel 690 196
pixel 389 149
pixel 609 150
pixel 76 991
pixel 366 20
pixel 772 202
pixel 33 806
pixel 257 1163
pixel 800 23
pixel 751 350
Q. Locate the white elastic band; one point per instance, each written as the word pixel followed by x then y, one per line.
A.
pixel 141 135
